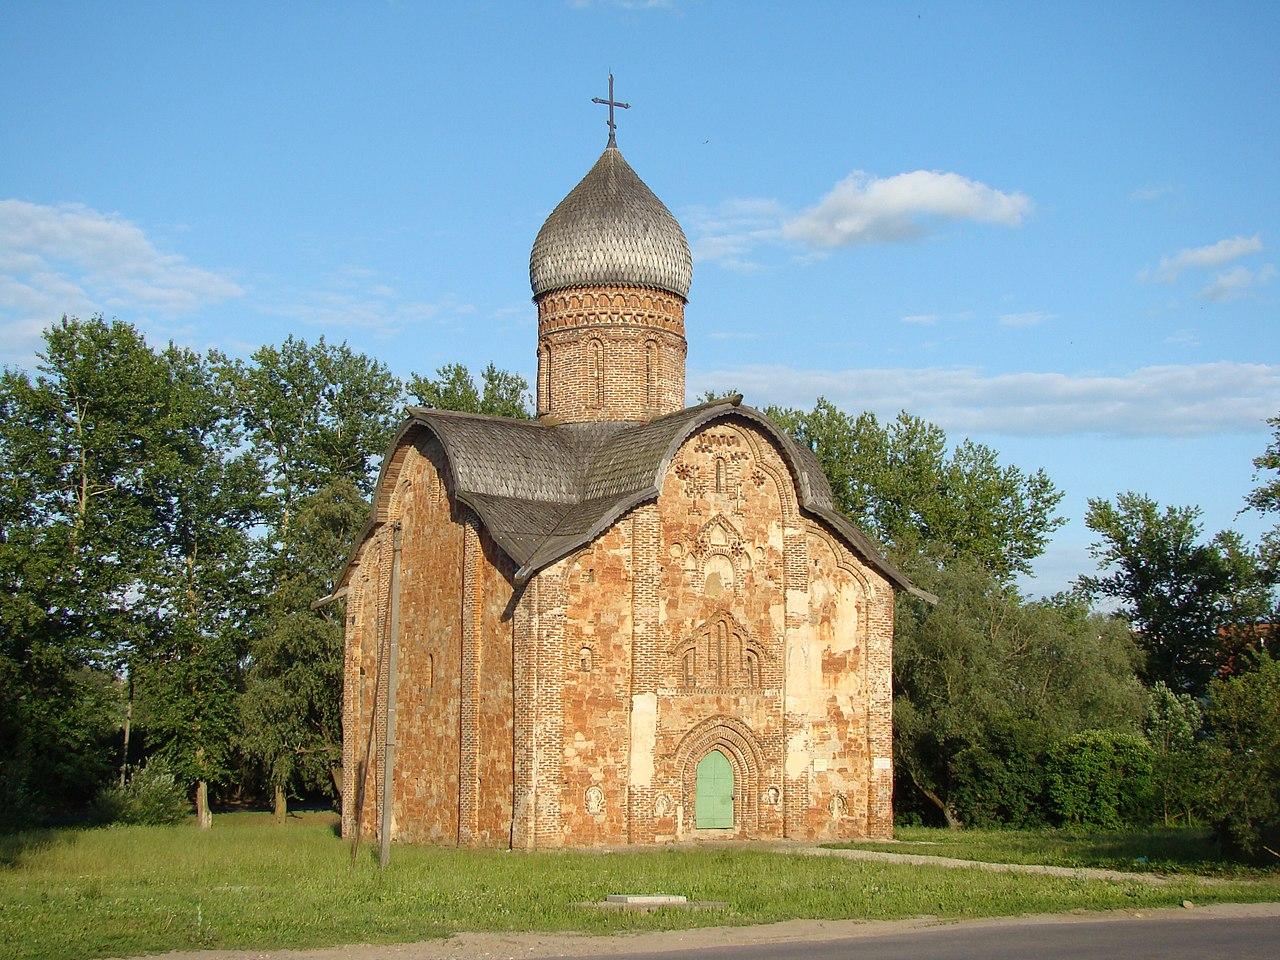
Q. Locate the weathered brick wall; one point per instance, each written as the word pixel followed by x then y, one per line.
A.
pixel 610 353
pixel 576 712
pixel 454 750
pixel 743 571
pixel 724 510
pixel 495 767
pixel 596 657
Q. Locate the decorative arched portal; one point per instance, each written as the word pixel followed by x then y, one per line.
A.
pixel 702 757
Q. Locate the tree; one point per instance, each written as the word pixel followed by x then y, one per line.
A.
pixel 291 710
pixel 900 484
pixel 1265 498
pixel 501 393
pixel 985 670
pixel 1176 590
pixel 75 440
pixel 1173 721
pixel 204 490
pixel 1244 721
pixel 320 417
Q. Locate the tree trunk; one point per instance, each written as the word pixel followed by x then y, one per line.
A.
pixel 953 822
pixel 335 773
pixel 128 722
pixel 204 816
pixel 281 805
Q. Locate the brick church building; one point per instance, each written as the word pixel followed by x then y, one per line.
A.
pixel 626 621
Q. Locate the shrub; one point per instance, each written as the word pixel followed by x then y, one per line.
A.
pixel 19 809
pixel 152 796
pixel 1001 781
pixel 1178 773
pixel 1244 719
pixel 1101 779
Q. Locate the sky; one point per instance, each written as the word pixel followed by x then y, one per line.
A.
pixel 1052 228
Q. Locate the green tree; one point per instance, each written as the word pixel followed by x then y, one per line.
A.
pixel 1244 720
pixel 903 485
pixel 1176 589
pixel 313 413
pixel 1173 721
pixel 1265 498
pixel 75 439
pixel 204 490
pixel 292 707
pixel 1101 778
pixel 987 670
pixel 500 393
pixel 320 416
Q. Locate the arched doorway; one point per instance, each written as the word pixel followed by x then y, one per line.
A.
pixel 713 807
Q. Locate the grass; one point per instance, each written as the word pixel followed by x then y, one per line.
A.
pixel 249 884
pixel 1170 851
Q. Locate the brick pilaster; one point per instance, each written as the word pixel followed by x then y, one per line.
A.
pixel 646 668
pixel 524 720
pixel 468 707
pixel 549 723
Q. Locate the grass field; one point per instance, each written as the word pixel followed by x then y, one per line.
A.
pixel 247 883
pixel 1162 851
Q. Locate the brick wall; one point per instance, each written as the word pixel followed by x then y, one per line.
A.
pixel 575 711
pixel 610 353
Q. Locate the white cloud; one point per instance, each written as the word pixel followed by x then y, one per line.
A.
pixel 933 319
pixel 1237 282
pixel 1183 338
pixel 1210 255
pixel 728 232
pixel 862 209
pixel 1149 193
pixel 69 258
pixel 1156 401
pixel 1032 319
pixel 355 298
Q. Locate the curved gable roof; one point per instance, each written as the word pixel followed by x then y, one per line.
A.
pixel 543 489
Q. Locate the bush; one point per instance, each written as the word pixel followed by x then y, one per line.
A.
pixel 1101 779
pixel 1244 719
pixel 152 796
pixel 19 809
pixel 1001 781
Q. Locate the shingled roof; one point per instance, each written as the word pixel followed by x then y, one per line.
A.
pixel 543 489
pixel 611 228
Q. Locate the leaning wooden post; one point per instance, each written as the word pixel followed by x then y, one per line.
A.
pixel 389 745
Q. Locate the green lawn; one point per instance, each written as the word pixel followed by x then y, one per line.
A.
pixel 1162 851
pixel 246 883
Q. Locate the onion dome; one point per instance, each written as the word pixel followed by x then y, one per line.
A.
pixel 611 229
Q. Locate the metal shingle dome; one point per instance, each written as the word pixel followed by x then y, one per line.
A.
pixel 611 228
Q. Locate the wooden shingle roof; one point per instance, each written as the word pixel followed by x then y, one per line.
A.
pixel 543 489
pixel 611 228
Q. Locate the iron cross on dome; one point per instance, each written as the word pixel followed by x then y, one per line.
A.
pixel 611 103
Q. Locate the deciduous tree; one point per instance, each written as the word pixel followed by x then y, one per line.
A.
pixel 1174 587
pixel 901 482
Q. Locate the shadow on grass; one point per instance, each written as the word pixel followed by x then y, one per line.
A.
pixel 15 846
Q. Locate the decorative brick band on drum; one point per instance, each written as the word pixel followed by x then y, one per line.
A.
pixel 610 353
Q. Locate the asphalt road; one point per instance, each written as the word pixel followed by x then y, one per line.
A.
pixel 1201 938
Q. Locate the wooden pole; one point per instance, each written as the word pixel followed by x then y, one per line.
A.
pixel 389 745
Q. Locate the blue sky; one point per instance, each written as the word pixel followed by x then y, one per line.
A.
pixel 1051 227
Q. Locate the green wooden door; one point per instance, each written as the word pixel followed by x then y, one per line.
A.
pixel 714 803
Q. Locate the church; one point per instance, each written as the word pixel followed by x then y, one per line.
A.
pixel 626 621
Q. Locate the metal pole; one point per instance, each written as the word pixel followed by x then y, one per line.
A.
pixel 389 745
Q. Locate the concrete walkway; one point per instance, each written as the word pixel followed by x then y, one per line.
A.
pixel 1077 873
